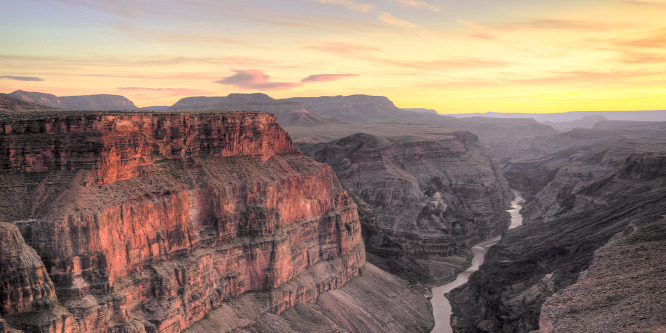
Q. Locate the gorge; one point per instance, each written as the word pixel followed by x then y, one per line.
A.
pixel 140 222
pixel 208 220
pixel 440 304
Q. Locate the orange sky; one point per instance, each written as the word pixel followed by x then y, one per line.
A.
pixel 453 56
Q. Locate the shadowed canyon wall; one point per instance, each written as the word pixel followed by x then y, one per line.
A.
pixel 419 199
pixel 589 256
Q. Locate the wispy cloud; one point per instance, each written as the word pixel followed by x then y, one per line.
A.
pixel 478 31
pixel 584 76
pixel 255 79
pixel 344 48
pixel 641 58
pixel 326 77
pixel 21 78
pixel 352 5
pixel 656 40
pixel 392 20
pixel 450 63
pixel 550 24
pixel 646 3
pixel 419 4
pixel 167 91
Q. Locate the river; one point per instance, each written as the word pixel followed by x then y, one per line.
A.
pixel 441 307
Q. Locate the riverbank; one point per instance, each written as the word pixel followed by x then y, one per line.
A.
pixel 440 304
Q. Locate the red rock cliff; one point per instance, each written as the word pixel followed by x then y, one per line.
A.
pixel 149 221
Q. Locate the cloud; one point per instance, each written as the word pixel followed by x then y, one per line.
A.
pixel 419 4
pixel 584 77
pixel 657 40
pixel 452 63
pixel 392 20
pixel 551 24
pixel 641 58
pixel 326 77
pixel 646 3
pixel 168 91
pixel 344 48
pixel 351 5
pixel 479 31
pixel 255 79
pixel 21 78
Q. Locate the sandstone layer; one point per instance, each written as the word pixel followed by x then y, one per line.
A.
pixel 147 222
pixel 420 199
pixel 591 192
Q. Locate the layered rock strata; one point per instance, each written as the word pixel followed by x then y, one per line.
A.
pixel 146 222
pixel 419 198
pixel 287 112
pixel 592 192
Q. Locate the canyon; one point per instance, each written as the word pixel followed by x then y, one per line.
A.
pixel 151 222
pixel 590 255
pixel 421 200
pixel 208 220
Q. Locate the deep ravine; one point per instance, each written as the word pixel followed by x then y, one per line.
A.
pixel 440 304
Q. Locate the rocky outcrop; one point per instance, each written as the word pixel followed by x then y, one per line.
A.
pixel 419 200
pixel 26 286
pixel 586 188
pixel 43 99
pixel 375 301
pixel 287 112
pixel 623 290
pixel 147 222
pixel 103 102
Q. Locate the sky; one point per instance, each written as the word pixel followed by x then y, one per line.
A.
pixel 455 56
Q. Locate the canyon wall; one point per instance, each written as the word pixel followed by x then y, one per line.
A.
pixel 147 222
pixel 420 199
pixel 589 256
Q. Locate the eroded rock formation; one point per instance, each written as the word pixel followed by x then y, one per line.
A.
pixel 146 222
pixel 419 199
pixel 597 199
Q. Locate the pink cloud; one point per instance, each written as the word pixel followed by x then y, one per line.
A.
pixel 394 21
pixel 255 79
pixel 418 3
pixel 326 77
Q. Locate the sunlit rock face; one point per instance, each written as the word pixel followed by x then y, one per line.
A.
pixel 146 222
pixel 419 198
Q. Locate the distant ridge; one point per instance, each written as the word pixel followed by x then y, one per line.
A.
pixel 10 103
pixel 102 102
pixel 421 110
pixel 287 112
pixel 648 115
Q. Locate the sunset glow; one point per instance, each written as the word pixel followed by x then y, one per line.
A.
pixel 454 56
